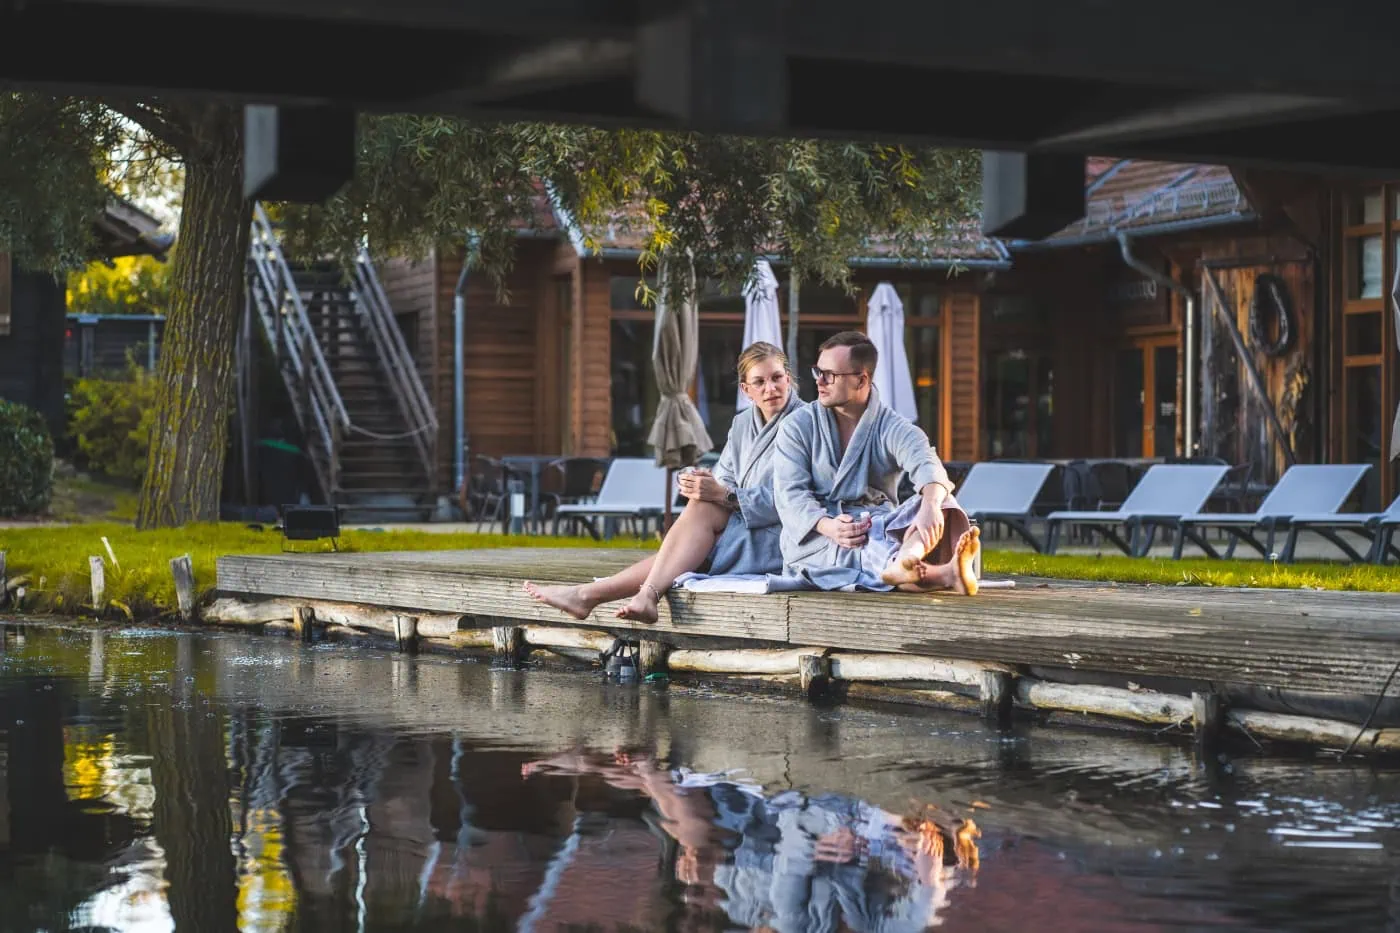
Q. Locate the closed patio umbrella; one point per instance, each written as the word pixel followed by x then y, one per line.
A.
pixel 678 434
pixel 884 326
pixel 1395 306
pixel 761 320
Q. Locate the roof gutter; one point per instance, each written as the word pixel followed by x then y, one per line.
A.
pixel 1111 233
pixel 882 262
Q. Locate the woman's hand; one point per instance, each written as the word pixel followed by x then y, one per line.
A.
pixel 699 485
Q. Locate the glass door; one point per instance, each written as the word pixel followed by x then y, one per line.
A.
pixel 1145 399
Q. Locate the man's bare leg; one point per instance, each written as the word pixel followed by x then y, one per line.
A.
pixel 958 574
pixel 581 599
pixel 914 553
pixel 685 547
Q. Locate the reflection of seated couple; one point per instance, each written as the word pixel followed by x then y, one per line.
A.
pixel 806 489
pixel 789 862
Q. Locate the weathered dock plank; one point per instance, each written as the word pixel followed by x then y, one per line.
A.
pixel 1321 642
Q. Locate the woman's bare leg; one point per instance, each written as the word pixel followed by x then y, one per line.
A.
pixel 581 599
pixel 685 548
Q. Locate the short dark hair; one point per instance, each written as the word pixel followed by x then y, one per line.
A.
pixel 863 352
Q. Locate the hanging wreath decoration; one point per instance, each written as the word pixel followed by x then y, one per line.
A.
pixel 1271 298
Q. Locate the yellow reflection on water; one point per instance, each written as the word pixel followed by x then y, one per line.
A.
pixel 266 896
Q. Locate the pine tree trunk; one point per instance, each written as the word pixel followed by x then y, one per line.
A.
pixel 184 468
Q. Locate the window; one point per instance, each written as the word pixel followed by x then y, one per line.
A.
pixel 634 392
pixel 1369 248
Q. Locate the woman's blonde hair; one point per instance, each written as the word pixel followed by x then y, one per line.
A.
pixel 759 351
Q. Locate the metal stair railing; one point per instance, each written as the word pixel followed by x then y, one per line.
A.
pixel 308 378
pixel 384 333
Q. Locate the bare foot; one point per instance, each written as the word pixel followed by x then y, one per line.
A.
pixel 907 568
pixel 964 559
pixel 911 575
pixel 642 607
pixel 567 599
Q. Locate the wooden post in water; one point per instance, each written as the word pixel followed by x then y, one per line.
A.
pixel 998 697
pixel 1207 719
pixel 509 643
pixel 815 673
pixel 652 655
pixel 183 572
pixel 303 621
pixel 4 591
pixel 406 632
pixel 99 583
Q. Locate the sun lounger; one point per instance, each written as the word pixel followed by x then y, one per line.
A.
pixel 1377 528
pixel 1165 491
pixel 1004 493
pixel 633 487
pixel 1312 490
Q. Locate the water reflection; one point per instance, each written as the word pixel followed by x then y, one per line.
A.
pixel 207 783
pixel 791 862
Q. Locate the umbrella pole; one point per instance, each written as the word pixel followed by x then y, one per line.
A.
pixel 670 502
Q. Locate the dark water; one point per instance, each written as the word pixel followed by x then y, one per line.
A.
pixel 212 783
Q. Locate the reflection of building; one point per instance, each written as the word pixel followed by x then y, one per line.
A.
pixel 1050 349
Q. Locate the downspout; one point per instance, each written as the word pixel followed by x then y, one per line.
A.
pixel 459 370
pixel 1188 405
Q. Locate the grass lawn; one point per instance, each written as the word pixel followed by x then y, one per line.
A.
pixel 1195 572
pixel 55 558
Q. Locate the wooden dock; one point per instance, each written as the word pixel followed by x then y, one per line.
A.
pixel 1151 654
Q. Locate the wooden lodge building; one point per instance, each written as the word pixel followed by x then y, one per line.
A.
pixel 1052 349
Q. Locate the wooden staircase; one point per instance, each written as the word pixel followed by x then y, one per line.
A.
pixel 369 428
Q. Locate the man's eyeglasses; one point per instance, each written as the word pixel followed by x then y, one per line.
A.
pixel 823 376
pixel 776 379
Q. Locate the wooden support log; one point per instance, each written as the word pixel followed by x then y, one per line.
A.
pixel 4 590
pixel 998 695
pixel 183 571
pixel 303 622
pixel 896 667
pixel 96 569
pixel 738 660
pixel 577 655
pixel 1142 706
pixel 469 638
pixel 232 611
pixel 936 699
pixel 653 656
pixel 543 636
pixel 1328 733
pixel 509 643
pixel 814 671
pixel 406 632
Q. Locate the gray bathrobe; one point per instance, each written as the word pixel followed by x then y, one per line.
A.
pixel 749 543
pixel 812 480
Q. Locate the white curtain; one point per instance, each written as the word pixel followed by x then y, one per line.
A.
pixel 761 320
pixel 885 327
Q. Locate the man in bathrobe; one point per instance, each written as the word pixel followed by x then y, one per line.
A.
pixel 836 477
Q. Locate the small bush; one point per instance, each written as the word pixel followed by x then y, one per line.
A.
pixel 111 422
pixel 26 461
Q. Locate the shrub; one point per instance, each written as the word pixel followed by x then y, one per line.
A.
pixel 26 461
pixel 111 419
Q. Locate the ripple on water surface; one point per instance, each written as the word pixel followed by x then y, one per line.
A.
pixel 154 781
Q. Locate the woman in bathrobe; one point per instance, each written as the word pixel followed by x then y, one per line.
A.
pixel 729 526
